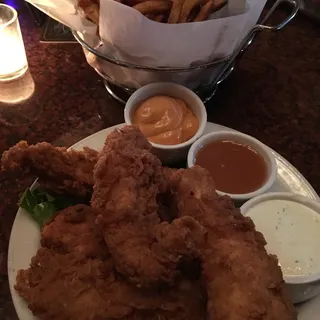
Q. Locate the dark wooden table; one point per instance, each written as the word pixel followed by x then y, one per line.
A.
pixel 274 95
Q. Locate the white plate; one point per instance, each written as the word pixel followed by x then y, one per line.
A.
pixel 25 235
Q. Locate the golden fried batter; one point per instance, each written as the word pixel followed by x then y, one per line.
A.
pixel 114 260
pixel 73 287
pixel 74 230
pixel 57 168
pixel 242 281
pixel 125 192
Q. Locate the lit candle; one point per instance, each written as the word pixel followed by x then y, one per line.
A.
pixel 13 60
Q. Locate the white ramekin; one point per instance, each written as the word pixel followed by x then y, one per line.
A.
pixel 239 137
pixel 169 153
pixel 300 288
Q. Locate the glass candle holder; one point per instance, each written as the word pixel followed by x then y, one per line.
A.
pixel 13 60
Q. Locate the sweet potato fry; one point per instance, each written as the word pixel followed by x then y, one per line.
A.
pixel 175 11
pixel 187 8
pixel 205 11
pixel 153 6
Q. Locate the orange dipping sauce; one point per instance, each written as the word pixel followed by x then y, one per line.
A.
pixel 165 120
pixel 236 168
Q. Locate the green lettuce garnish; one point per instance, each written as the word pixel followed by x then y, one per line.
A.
pixel 41 205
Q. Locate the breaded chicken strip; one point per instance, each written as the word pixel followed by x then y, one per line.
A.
pixel 74 230
pixel 242 281
pixel 72 278
pixel 57 168
pixel 62 170
pixel 73 287
pixel 125 192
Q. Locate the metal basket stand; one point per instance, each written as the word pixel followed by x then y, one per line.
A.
pixel 226 65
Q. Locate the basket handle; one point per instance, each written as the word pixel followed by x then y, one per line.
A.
pixel 255 30
pixel 295 4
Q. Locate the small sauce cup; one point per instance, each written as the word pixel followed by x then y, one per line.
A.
pixel 290 224
pixel 264 153
pixel 177 152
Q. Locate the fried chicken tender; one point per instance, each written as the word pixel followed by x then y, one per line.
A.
pixel 62 170
pixel 72 277
pixel 70 286
pixel 242 281
pixel 57 168
pixel 74 230
pixel 126 187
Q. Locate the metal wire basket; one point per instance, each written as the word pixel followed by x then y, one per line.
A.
pixel 202 78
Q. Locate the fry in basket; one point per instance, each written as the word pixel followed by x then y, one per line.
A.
pixel 208 8
pixel 175 11
pixel 205 11
pixel 193 14
pixel 91 10
pixel 156 17
pixel 153 6
pixel 167 11
pixel 218 4
pixel 187 7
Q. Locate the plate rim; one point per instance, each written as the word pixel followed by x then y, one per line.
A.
pixel 82 143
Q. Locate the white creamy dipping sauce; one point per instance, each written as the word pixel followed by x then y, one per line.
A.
pixel 292 231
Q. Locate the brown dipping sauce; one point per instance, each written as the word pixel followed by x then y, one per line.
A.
pixel 236 168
